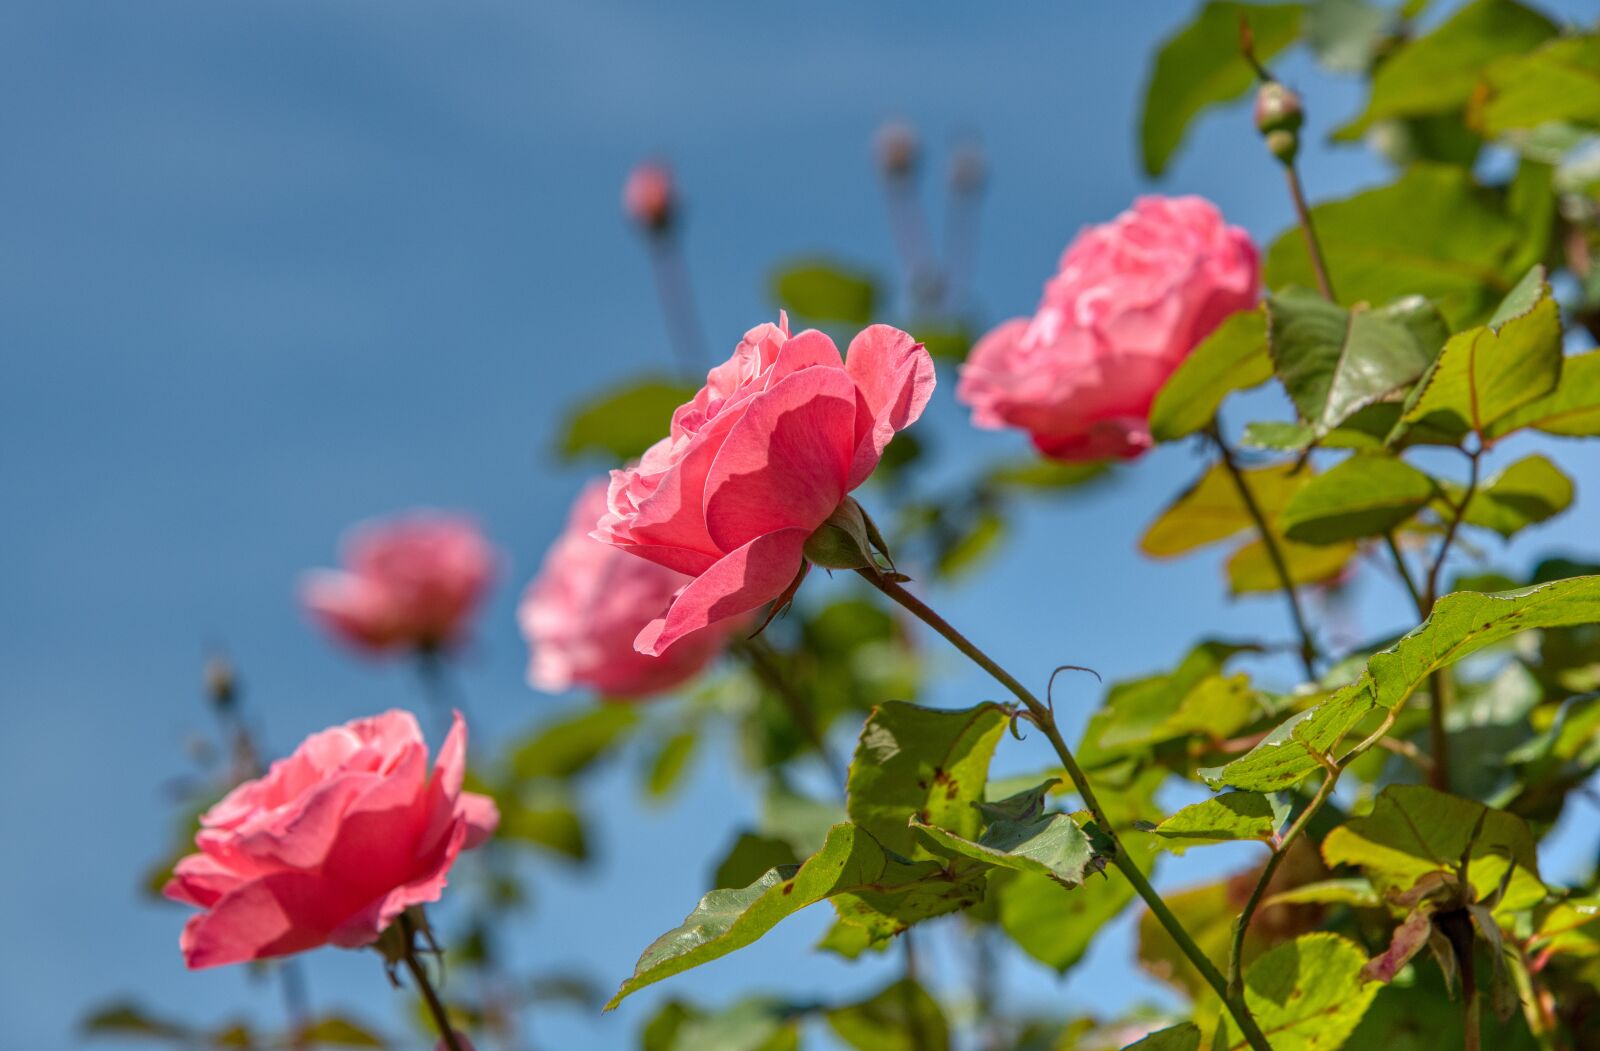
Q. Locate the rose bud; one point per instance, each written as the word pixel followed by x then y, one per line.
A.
pixel 761 459
pixel 1277 109
pixel 589 602
pixel 331 845
pixel 648 197
pixel 898 149
pixel 411 584
pixel 1131 299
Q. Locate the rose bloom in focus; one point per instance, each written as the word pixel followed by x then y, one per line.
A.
pixel 591 600
pixel 330 846
pixel 648 196
pixel 762 457
pixel 1131 299
pixel 411 584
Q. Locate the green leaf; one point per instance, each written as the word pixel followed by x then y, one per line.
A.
pixel 334 1031
pixel 542 814
pixel 1021 836
pixel 568 746
pixel 1233 358
pixel 1201 66
pixel 668 764
pixel 944 342
pixel 1414 830
pixel 1346 34
pixel 923 762
pixel 1308 994
pixel 1361 497
pixel 1437 73
pixel 126 1018
pixel 622 422
pixel 1487 372
pixel 1334 362
pixel 1185 1036
pixel 1228 817
pixel 1194 698
pixel 850 941
pixel 851 865
pixel 1039 474
pixel 1357 893
pixel 1527 492
pixel 1572 410
pixel 751 1024
pixel 819 290
pixel 1052 924
pixel 1250 569
pixel 1460 625
pixel 900 1017
pixel 1557 82
pixel 1211 510
pixel 1431 232
pixel 750 857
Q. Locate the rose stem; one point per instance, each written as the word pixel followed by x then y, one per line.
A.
pixel 441 1017
pixel 764 662
pixel 1044 718
pixel 1308 646
pixel 1319 265
pixel 673 289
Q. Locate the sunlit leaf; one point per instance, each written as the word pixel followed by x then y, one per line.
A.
pixel 1437 72
pixel 822 291
pixel 669 763
pixel 1559 81
pixel 752 1024
pixel 1431 233
pixel 1182 1037
pixel 1361 497
pixel 1334 362
pixel 337 1031
pixel 1346 34
pixel 1228 817
pixel 1308 993
pixel 1201 66
pixel 851 864
pixel 749 859
pixel 1211 509
pixel 621 423
pixel 1414 830
pixel 923 762
pixel 1571 410
pixel 901 1017
pixel 131 1019
pixel 1052 924
pixel 1194 698
pixel 1486 372
pixel 1232 358
pixel 1250 569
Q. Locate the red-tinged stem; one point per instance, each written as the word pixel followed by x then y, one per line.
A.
pixel 1319 265
pixel 1044 718
pixel 436 1008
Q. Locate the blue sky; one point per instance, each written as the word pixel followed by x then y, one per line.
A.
pixel 269 270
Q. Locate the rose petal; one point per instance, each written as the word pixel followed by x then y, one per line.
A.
pixel 747 578
pixel 895 376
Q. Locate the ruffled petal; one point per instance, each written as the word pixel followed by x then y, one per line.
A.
pixel 749 577
pixel 895 376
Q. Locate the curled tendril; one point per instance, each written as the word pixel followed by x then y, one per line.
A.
pixel 1049 690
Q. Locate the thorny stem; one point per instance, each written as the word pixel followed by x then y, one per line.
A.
pixel 436 1008
pixel 1280 849
pixel 1308 645
pixel 764 662
pixel 1044 718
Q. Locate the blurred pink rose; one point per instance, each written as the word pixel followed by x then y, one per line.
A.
pixel 412 583
pixel 588 603
pixel 331 845
pixel 1133 297
pixel 648 196
pixel 763 455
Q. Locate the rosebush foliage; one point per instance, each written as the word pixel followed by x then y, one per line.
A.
pixel 1397 790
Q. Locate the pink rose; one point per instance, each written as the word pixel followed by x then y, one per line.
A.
pixel 588 603
pixel 758 461
pixel 1133 297
pixel 411 583
pixel 331 845
pixel 648 196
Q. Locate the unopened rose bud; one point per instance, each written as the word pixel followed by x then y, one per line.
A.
pixel 222 684
pixel 648 197
pixel 897 149
pixel 1277 109
pixel 968 169
pixel 1283 145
